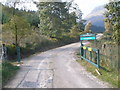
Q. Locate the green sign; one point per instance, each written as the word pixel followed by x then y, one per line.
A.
pixel 87 38
pixel 87 35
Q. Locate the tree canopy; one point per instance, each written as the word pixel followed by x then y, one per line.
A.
pixel 32 17
pixel 113 15
pixel 55 19
pixel 17 26
pixel 88 27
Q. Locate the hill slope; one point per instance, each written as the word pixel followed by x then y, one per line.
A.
pixel 97 19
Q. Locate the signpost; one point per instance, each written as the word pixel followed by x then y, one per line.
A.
pixel 88 36
pixel 83 49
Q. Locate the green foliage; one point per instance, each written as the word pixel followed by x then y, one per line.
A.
pixel 11 51
pixel 113 15
pixel 88 27
pixel 8 70
pixel 107 74
pixel 75 31
pixel 6 14
pixel 32 17
pixel 55 19
pixel 108 26
pixel 57 27
pixel 116 34
pixel 113 11
pixel 5 18
pixel 18 27
pixel 50 19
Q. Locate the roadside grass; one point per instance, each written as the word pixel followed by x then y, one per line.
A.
pixel 107 73
pixel 8 71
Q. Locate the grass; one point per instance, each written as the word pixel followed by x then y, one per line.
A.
pixel 8 71
pixel 107 73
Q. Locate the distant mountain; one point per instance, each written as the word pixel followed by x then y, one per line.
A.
pixel 97 19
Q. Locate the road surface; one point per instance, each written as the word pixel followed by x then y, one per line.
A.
pixel 56 68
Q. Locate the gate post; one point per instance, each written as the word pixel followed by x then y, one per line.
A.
pixel 18 54
pixel 98 58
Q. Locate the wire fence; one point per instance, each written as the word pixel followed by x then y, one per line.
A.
pixel 109 54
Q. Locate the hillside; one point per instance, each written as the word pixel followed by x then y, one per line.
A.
pixel 97 19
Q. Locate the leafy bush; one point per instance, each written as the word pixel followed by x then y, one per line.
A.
pixel 11 51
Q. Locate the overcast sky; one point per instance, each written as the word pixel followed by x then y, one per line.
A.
pixel 86 6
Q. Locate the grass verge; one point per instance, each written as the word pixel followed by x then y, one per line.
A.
pixel 107 74
pixel 8 71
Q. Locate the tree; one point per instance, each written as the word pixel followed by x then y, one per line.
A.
pixel 88 27
pixel 32 17
pixel 55 19
pixel 18 27
pixel 113 14
pixel 75 31
pixel 52 17
pixel 108 26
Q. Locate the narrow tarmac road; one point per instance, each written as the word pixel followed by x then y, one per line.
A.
pixel 56 68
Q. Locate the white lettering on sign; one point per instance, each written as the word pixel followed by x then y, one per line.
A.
pixel 87 38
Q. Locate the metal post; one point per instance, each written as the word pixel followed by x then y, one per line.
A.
pixel 90 55
pixel 81 50
pixel 18 54
pixel 95 41
pixel 85 53
pixel 98 58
